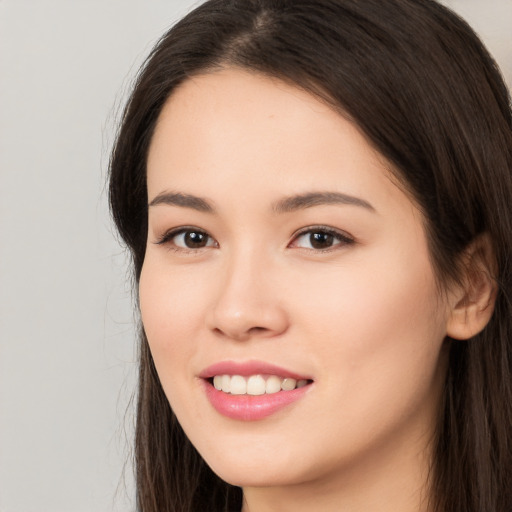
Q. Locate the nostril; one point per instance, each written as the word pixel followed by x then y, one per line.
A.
pixel 241 334
pixel 255 330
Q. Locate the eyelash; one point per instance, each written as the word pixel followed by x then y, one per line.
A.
pixel 342 238
pixel 168 236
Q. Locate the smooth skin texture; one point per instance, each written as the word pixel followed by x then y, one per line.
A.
pixel 356 306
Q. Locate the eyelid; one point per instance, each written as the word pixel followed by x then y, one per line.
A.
pixel 168 235
pixel 343 237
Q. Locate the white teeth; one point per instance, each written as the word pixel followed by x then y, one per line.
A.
pixel 226 383
pixel 273 384
pixel 255 384
pixel 238 385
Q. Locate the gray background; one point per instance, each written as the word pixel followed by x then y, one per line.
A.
pixel 67 365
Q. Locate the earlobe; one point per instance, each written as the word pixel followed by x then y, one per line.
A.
pixel 472 302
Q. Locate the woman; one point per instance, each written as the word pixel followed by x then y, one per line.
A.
pixel 316 196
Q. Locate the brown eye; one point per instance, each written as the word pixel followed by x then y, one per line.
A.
pixel 321 239
pixel 188 239
pixel 195 239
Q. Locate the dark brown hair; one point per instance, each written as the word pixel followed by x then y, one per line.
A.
pixel 418 82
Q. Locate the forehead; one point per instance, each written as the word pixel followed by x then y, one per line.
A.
pixel 233 131
pixel 237 105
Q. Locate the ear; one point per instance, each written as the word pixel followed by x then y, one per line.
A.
pixel 472 301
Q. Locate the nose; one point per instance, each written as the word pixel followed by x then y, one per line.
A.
pixel 248 303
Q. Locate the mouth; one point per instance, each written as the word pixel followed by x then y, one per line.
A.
pixel 252 390
pixel 255 385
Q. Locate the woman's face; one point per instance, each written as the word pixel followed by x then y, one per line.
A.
pixel 279 246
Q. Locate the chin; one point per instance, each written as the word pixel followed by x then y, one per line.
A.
pixel 256 473
pixel 256 477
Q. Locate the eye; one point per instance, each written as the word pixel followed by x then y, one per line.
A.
pixel 187 239
pixel 320 239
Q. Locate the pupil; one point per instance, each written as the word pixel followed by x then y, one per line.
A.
pixel 195 240
pixel 321 240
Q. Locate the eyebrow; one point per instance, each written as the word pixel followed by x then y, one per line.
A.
pixel 183 200
pixel 310 199
pixel 286 205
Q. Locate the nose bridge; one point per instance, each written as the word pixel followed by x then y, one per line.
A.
pixel 247 302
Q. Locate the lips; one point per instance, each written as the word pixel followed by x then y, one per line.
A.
pixel 248 368
pixel 252 390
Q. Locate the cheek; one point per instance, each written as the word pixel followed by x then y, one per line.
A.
pixel 376 326
pixel 376 335
pixel 367 297
pixel 170 304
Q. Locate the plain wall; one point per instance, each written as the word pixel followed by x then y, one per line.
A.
pixel 67 342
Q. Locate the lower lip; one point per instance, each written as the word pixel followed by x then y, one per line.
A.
pixel 249 407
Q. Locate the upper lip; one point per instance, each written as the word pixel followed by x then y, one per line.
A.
pixel 247 368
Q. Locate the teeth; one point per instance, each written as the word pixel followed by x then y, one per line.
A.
pixel 238 385
pixel 273 384
pixel 255 384
pixel 226 383
pixel 288 384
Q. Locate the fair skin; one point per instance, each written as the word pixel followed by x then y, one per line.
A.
pixel 355 308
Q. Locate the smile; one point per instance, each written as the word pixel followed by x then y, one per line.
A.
pixel 252 390
pixel 255 385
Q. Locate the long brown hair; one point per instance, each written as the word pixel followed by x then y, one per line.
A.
pixel 418 82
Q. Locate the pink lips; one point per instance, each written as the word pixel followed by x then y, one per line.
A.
pixel 247 407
